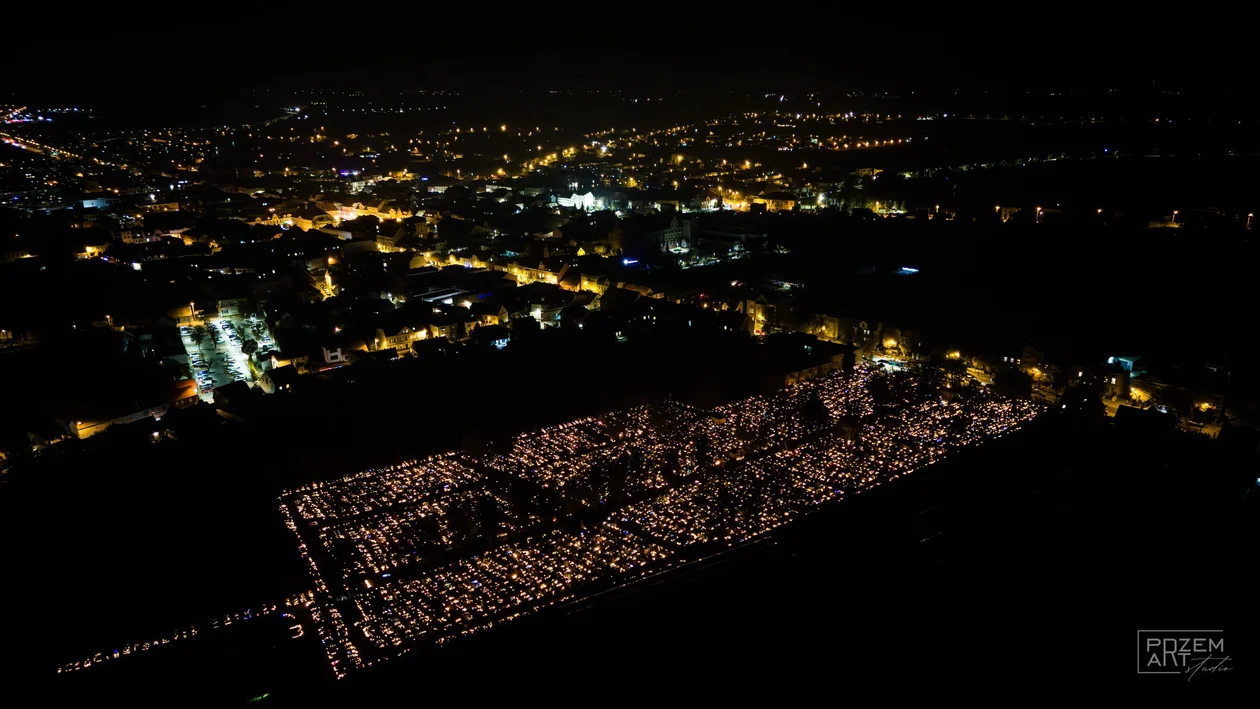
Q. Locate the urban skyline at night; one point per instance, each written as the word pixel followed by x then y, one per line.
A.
pixel 427 351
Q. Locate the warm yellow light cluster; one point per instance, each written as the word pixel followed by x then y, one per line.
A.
pixel 673 476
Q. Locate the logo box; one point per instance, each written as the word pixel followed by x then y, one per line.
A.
pixel 1173 652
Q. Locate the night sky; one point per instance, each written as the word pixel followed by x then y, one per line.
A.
pixel 114 56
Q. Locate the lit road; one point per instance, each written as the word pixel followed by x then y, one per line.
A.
pixel 37 147
pixel 287 115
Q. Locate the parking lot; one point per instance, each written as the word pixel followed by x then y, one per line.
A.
pixel 217 351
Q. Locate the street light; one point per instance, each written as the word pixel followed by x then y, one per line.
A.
pixel 1175 213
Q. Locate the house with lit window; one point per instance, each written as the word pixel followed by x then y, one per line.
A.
pixel 389 234
pixel 760 310
pixel 335 352
pixel 496 336
pixel 99 414
pixel 594 283
pixel 732 321
pixel 490 312
pixel 155 206
pixel 1115 384
pixel 399 337
pixel 799 357
pixel 441 331
pixel 279 380
pixel 663 232
pixel 586 202
pixel 536 271
pixel 437 184
pixel 91 248
pixel 776 201
pixel 469 258
pixel 138 236
pixel 571 280
pixel 825 327
pixel 1109 381
pixel 381 209
pixel 540 301
pixel 308 217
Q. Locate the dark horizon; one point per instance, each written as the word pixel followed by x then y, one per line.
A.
pixel 433 51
